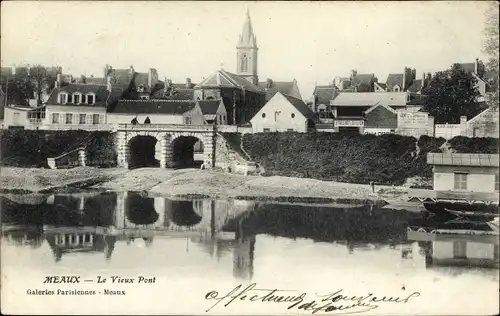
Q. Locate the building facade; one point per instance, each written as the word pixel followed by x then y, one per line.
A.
pixel 283 113
pixel 465 172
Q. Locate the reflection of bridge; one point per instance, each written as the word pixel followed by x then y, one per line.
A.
pixel 167 137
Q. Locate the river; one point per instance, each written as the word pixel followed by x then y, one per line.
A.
pixel 181 250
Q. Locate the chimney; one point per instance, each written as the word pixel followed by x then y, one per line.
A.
pixel 131 69
pixel 476 66
pixel 108 83
pixel 188 83
pixel 58 81
pixel 404 81
pixel 83 79
pixel 152 77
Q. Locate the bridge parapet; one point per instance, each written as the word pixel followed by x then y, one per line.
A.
pixel 165 127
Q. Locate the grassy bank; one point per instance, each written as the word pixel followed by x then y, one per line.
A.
pixel 387 159
pixel 31 148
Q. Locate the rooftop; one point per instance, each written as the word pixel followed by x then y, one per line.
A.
pixel 370 98
pixel 454 159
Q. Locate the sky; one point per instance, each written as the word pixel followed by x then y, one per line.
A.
pixel 312 42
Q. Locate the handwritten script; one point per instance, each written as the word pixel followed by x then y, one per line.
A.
pixel 338 302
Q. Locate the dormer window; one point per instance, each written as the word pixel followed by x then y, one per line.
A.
pixel 140 88
pixel 90 98
pixel 63 98
pixel 77 98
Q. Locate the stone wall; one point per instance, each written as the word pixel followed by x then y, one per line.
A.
pixel 230 160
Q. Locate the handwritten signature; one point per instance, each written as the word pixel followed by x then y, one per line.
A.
pixel 337 302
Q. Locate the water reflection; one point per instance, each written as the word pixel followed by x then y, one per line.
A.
pixel 97 223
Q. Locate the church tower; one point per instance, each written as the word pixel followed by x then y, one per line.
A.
pixel 247 53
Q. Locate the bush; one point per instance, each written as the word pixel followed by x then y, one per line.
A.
pixel 385 159
pixel 31 148
pixel 486 145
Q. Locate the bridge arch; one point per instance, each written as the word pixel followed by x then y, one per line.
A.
pixel 174 145
pixel 188 150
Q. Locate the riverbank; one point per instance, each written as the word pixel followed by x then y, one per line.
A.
pixel 197 183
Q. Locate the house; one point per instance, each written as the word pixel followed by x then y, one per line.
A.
pixel 400 82
pixel 283 113
pixel 465 173
pixel 23 116
pixel 485 80
pixel 341 83
pixel 241 98
pixel 139 85
pixel 214 111
pixel 175 91
pixel 158 112
pixel 80 106
pixel 349 108
pixel 380 119
pixel 379 87
pixel 271 87
pixel 485 124
pixel 322 96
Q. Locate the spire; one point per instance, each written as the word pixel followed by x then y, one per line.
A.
pixel 247 38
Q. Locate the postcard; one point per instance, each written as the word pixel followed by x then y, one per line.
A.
pixel 249 158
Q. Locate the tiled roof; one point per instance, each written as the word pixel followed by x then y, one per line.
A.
pixel 172 107
pixel 393 80
pixel 301 107
pixel 224 79
pixel 454 159
pixel 370 98
pixel 209 106
pixel 415 86
pixel 382 85
pixel 324 94
pixel 286 87
pixel 121 76
pixel 100 91
pixel 95 80
pixel 363 82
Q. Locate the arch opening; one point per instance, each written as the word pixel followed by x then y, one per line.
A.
pixel 140 210
pixel 187 152
pixel 143 152
pixel 184 214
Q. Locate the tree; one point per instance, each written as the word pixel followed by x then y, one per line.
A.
pixel 39 78
pixel 491 48
pixel 451 94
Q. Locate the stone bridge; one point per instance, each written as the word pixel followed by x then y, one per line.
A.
pixel 171 142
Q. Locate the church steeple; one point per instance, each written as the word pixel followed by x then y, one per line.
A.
pixel 247 37
pixel 247 52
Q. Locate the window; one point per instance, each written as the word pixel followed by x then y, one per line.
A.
pixel 90 99
pixel 76 98
pixel 263 115
pixel 82 119
pixel 84 98
pixel 69 118
pixel 460 181
pixel 276 115
pixel 69 98
pixel 459 249
pixel 496 182
pixel 63 98
pixel 95 118
pixel 266 130
pixel 140 88
pixel 55 118
pixel 244 63
pixel 187 120
pixel 293 115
